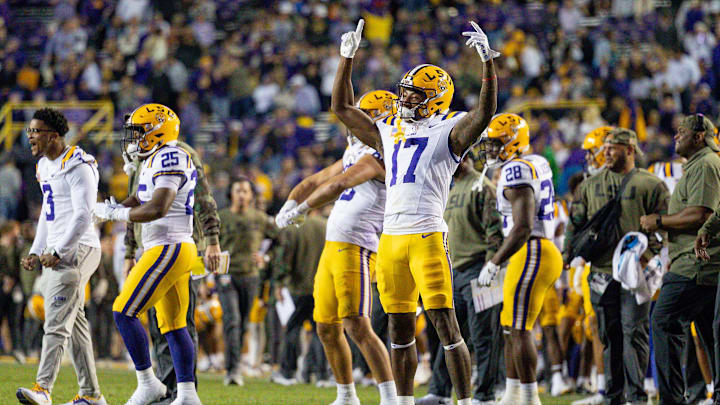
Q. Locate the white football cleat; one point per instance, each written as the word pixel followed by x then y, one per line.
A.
pixel 559 387
pixel 36 395
pixel 346 401
pixel 597 399
pixel 187 399
pixel 87 400
pixel 148 393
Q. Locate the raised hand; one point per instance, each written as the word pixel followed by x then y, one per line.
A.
pixel 350 41
pixel 479 41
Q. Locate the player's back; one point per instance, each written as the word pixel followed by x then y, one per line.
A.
pixel 668 172
pixel 419 164
pixel 357 215
pixel 534 171
pixel 57 178
pixel 169 162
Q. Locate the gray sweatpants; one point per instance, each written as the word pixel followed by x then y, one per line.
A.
pixel 65 321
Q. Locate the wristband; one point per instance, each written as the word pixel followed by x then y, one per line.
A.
pixel 122 214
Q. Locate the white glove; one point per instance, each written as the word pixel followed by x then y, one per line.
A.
pixel 291 217
pixel 488 273
pixel 110 210
pixel 129 166
pixel 350 41
pixel 289 204
pixel 479 40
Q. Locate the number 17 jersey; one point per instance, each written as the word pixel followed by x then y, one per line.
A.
pixel 533 171
pixel 419 164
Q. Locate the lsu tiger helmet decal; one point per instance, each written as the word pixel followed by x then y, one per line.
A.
pixel 431 81
pixel 148 128
pixel 593 145
pixel 507 137
pixel 378 104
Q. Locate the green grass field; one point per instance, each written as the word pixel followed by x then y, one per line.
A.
pixel 118 385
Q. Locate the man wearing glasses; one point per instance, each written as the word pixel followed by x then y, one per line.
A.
pixel 68 248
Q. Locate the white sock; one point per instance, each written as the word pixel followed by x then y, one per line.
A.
pixel 601 383
pixel 146 376
pixel 466 401
pixel 406 400
pixel 512 388
pixel 388 391
pixel 528 393
pixel 186 388
pixel 346 390
pixel 709 387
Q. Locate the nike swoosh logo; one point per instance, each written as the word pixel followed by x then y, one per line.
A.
pixel 425 236
pixel 340 250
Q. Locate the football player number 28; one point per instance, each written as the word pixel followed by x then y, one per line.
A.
pixel 50 213
pixel 421 144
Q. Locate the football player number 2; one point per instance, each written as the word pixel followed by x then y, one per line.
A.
pixel 409 177
pixel 50 213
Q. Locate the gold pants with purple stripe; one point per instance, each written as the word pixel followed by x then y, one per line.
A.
pixel 531 271
pixel 342 282
pixel 160 279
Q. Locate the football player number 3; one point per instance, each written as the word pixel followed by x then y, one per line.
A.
pixel 409 177
pixel 50 213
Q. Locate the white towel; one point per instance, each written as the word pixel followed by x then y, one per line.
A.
pixel 627 270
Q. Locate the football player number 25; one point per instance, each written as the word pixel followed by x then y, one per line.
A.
pixel 50 213
pixel 409 177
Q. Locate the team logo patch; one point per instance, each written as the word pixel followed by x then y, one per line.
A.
pixel 59 301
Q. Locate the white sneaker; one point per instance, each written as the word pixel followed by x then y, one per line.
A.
pixel 423 374
pixel 346 401
pixel 559 387
pixel 597 399
pixel 36 395
pixel 278 378
pixel 234 379
pixel 86 400
pixel 432 399
pixel 147 393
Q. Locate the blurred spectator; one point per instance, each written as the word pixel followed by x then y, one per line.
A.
pixel 11 181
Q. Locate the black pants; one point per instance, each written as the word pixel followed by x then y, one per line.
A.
pixel 236 295
pixel 291 345
pixel 483 332
pixel 623 330
pixel 102 325
pixel 695 390
pixel 11 308
pixel 681 301
pixel 165 368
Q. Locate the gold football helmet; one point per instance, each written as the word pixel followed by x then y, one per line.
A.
pixel 508 136
pixel 378 104
pixel 432 81
pixel 594 146
pixel 148 128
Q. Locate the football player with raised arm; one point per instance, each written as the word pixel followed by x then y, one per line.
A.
pixel 164 205
pixel 68 247
pixel 342 291
pixel 525 197
pixel 421 146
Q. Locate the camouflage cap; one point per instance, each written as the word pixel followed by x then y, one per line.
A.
pixel 623 136
pixel 701 123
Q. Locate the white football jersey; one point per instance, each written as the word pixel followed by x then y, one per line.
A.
pixel 419 165
pixel 57 178
pixel 668 172
pixel 177 225
pixel 357 216
pixel 532 170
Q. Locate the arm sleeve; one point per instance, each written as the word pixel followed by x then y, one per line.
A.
pixel 205 205
pixel 83 194
pixel 40 234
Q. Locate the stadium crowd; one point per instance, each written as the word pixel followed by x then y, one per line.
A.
pixel 251 84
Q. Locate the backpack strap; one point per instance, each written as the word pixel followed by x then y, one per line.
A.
pixel 625 181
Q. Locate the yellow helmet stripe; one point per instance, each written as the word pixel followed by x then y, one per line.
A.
pixel 532 168
pixel 413 72
pixel 67 157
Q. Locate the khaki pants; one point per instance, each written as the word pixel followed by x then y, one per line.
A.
pixel 65 320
